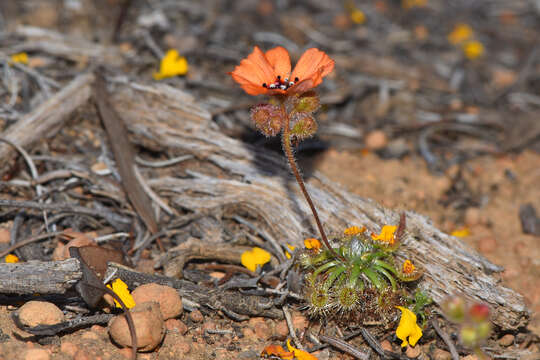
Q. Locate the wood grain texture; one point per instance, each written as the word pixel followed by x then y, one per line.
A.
pixel 52 277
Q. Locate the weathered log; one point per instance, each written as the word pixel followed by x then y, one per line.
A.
pixel 53 277
pixel 234 176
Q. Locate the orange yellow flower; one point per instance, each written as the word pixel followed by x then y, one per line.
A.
pixel 473 49
pixel 11 259
pixel 20 58
pixel 408 328
pixel 387 235
pixel 408 267
pixel 354 230
pixel 461 232
pixel 312 244
pixel 121 289
pixel 460 34
pixel 254 257
pixel 270 73
pixel 171 65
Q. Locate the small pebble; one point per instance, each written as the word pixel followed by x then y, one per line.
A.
pixel 506 340
pixel 149 327
pixel 376 140
pixel 168 298
pixel 37 354
pixel 182 346
pixel 386 345
pixel 413 352
pixel 487 245
pixel 300 322
pixel 440 354
pixel 176 325
pixel 35 313
pixel 4 236
pixel 196 316
pixel 262 331
pixel 473 216
pixel 69 348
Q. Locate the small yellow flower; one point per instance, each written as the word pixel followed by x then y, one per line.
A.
pixel 408 267
pixel 171 65
pixel 387 235
pixel 460 34
pixel 256 256
pixel 20 58
pixel 300 354
pixel 121 289
pixel 287 254
pixel 408 328
pixel 473 49
pixel 354 230
pixel 358 16
pixel 12 259
pixel 408 4
pixel 312 244
pixel 461 232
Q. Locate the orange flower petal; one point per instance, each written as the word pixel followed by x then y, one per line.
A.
pixel 279 58
pixel 254 71
pixel 314 64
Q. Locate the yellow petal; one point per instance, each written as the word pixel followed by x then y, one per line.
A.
pixel 300 354
pixel 358 17
pixel 171 65
pixel 387 234
pixel 354 230
pixel 287 254
pixel 461 33
pixel 12 259
pixel 408 328
pixel 256 256
pixel 121 289
pixel 473 49
pixel 20 58
pixel 461 232
pixel 312 244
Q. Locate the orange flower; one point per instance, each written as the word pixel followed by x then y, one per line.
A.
pixel 270 73
pixel 408 267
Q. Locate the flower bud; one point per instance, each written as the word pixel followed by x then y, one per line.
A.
pixel 303 126
pixel 267 119
pixel 454 308
pixel 479 312
pixel 307 102
pixel 469 336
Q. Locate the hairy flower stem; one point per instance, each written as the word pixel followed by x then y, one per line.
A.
pixel 287 148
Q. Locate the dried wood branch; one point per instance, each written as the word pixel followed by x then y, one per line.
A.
pixel 53 277
pixel 47 118
pixel 234 176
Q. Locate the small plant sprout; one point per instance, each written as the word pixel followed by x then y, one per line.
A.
pixel 365 269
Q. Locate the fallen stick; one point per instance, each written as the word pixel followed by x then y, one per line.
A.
pixel 47 118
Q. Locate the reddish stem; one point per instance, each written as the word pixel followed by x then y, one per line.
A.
pixel 287 148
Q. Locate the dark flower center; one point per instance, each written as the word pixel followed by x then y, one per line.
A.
pixel 279 83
